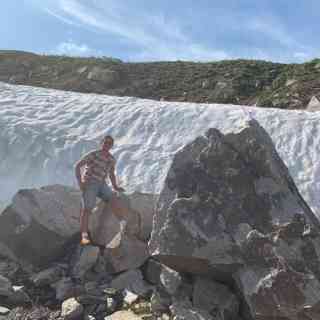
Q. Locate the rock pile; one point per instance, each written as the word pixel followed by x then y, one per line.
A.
pixel 231 239
pixel 229 211
pixel 45 273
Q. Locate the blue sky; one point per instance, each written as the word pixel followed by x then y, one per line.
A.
pixel 152 30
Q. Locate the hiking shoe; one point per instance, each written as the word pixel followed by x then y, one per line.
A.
pixel 85 239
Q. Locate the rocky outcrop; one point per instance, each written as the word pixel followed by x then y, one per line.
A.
pixel 215 298
pixel 314 104
pixel 38 223
pixel 108 77
pixel 230 210
pixel 81 280
pixel 120 236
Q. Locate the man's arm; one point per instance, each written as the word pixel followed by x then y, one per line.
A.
pixel 77 171
pixel 113 180
pixel 83 161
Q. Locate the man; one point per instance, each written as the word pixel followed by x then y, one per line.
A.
pixel 98 166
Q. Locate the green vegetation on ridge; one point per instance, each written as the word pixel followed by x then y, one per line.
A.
pixel 247 82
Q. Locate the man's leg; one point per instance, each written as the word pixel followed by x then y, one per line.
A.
pixel 84 220
pixel 88 203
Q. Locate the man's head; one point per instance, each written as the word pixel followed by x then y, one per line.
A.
pixel 107 143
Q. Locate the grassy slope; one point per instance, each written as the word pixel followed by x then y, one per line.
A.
pixel 267 84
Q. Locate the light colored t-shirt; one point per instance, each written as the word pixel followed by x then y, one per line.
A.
pixel 98 165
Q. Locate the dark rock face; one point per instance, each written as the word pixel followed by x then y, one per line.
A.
pixel 215 298
pixel 230 210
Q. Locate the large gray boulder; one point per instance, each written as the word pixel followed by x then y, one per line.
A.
pixel 230 210
pixel 215 298
pixel 38 223
pixel 124 237
pixel 144 204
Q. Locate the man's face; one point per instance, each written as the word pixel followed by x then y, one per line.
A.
pixel 107 144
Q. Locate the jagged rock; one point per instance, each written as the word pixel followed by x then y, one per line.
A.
pixel 131 280
pixel 71 309
pixel 104 225
pixel 101 264
pixel 106 231
pixel 48 276
pixel 5 287
pixel 313 105
pixel 65 288
pixel 106 76
pixel 99 305
pixel 221 187
pixel 19 296
pixel 35 313
pixel 170 279
pixel 129 297
pixel 129 254
pixel 3 312
pixel 8 268
pixel 124 315
pixel 144 204
pixel 91 299
pixel 82 69
pixel 38 223
pixel 215 298
pixel 287 256
pixel 222 91
pixel 108 307
pixel 143 307
pixel 152 270
pixel 160 301
pixel 92 287
pixel 86 257
pixel 165 316
pixel 184 310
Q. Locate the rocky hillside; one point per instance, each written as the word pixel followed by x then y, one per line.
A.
pixel 249 82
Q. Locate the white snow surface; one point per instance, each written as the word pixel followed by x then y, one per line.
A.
pixel 43 132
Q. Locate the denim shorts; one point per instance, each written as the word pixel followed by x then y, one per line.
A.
pixel 94 189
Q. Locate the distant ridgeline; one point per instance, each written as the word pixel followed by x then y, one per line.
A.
pixel 245 82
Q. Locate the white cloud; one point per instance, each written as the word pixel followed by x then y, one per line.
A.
pixel 59 17
pixel 156 36
pixel 71 48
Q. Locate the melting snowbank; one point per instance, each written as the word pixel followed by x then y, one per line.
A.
pixel 44 132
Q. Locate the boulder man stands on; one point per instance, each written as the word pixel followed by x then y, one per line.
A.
pixel 98 166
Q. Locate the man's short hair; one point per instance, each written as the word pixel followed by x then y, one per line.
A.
pixel 107 137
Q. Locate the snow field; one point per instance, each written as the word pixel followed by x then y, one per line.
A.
pixel 43 132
